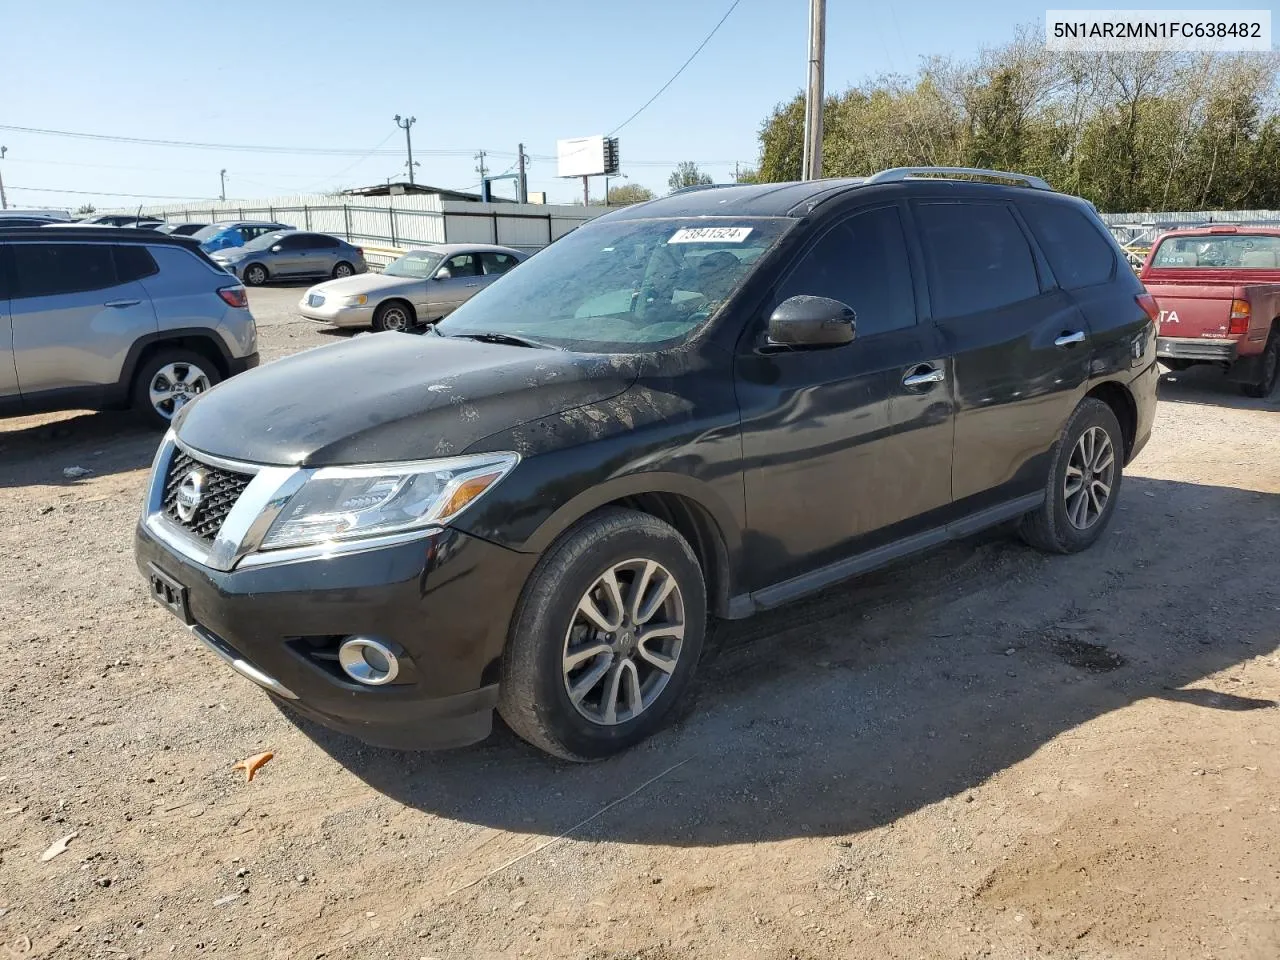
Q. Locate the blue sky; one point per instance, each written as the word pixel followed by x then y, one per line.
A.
pixel 331 74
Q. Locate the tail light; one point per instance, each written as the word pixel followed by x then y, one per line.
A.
pixel 360 251
pixel 1149 306
pixel 1241 314
pixel 234 296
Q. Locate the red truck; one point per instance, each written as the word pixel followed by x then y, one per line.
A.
pixel 1218 288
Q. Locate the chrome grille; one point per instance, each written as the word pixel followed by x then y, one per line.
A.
pixel 315 300
pixel 222 488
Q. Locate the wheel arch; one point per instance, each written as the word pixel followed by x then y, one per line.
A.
pixel 203 342
pixel 696 512
pixel 404 301
pixel 1118 397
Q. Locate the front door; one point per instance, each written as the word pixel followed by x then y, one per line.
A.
pixel 8 371
pixel 292 257
pixel 1019 347
pixel 457 281
pixel 847 447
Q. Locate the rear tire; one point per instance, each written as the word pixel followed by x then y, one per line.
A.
pixel 580 691
pixel 1084 482
pixel 1177 365
pixel 395 315
pixel 343 269
pixel 167 381
pixel 255 275
pixel 1270 369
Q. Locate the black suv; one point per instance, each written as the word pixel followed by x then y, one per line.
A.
pixel 696 407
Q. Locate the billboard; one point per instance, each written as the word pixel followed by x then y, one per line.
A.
pixel 587 157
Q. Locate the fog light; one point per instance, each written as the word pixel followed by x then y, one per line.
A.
pixel 368 661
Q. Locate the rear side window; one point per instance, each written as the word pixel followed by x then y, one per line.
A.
pixel 977 258
pixel 493 263
pixel 1078 253
pixel 134 263
pixel 862 262
pixel 48 269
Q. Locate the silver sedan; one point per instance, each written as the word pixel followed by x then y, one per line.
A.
pixel 421 287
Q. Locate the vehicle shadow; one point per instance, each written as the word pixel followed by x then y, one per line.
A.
pixel 1205 384
pixel 37 449
pixel 854 708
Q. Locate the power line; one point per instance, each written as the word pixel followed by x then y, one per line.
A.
pixel 663 88
pixel 244 148
pixel 104 193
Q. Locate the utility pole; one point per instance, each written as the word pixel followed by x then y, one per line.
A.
pixel 735 171
pixel 481 169
pixel 812 164
pixel 223 174
pixel 522 188
pixel 586 191
pixel 408 140
pixel 4 201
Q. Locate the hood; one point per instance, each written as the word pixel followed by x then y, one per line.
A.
pixel 366 283
pixel 392 396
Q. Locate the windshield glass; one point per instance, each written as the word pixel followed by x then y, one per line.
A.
pixel 619 287
pixel 209 232
pixel 264 241
pixel 419 264
pixel 1219 251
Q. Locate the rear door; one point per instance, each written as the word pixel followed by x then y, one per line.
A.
pixel 74 319
pixel 321 254
pixel 1018 347
pixel 492 266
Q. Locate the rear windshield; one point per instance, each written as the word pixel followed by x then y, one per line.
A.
pixel 1217 251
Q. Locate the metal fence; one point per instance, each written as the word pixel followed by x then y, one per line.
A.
pixel 396 223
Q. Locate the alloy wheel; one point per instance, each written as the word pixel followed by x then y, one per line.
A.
pixel 174 385
pixel 395 319
pixel 342 270
pixel 624 642
pixel 1089 479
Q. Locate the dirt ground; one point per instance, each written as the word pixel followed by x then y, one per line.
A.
pixel 985 752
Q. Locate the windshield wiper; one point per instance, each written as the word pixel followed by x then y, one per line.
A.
pixel 509 339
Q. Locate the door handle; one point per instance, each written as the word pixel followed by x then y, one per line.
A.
pixel 122 303
pixel 1069 339
pixel 476 284
pixel 922 376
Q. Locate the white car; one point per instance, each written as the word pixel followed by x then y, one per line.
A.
pixel 424 285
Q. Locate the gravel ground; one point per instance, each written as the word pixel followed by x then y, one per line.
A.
pixel 982 753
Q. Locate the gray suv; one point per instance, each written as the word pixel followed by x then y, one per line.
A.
pixel 113 318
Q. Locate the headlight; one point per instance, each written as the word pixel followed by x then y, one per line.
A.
pixel 344 503
pixel 359 300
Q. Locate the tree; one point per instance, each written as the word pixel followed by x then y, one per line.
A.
pixel 687 174
pixel 629 193
pixel 86 210
pixel 1132 132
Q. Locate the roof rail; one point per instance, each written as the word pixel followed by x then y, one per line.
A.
pixel 700 186
pixel 903 173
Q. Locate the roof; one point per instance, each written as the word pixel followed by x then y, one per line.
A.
pixel 98 235
pixel 448 249
pixel 798 198
pixel 397 189
pixel 1226 229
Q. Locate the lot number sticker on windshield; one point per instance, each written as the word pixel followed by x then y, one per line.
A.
pixel 710 235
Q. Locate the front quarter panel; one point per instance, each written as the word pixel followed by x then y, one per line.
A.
pixel 665 435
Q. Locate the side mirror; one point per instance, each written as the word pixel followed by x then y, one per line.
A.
pixel 812 322
pixel 444 274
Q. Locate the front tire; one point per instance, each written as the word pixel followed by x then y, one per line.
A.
pixel 1270 364
pixel 395 315
pixel 169 380
pixel 1084 481
pixel 606 637
pixel 255 275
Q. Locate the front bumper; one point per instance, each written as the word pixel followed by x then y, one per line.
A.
pixel 336 314
pixel 443 601
pixel 1191 348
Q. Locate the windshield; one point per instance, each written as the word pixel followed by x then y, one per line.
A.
pixel 211 231
pixel 1219 251
pixel 618 287
pixel 418 264
pixel 264 241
